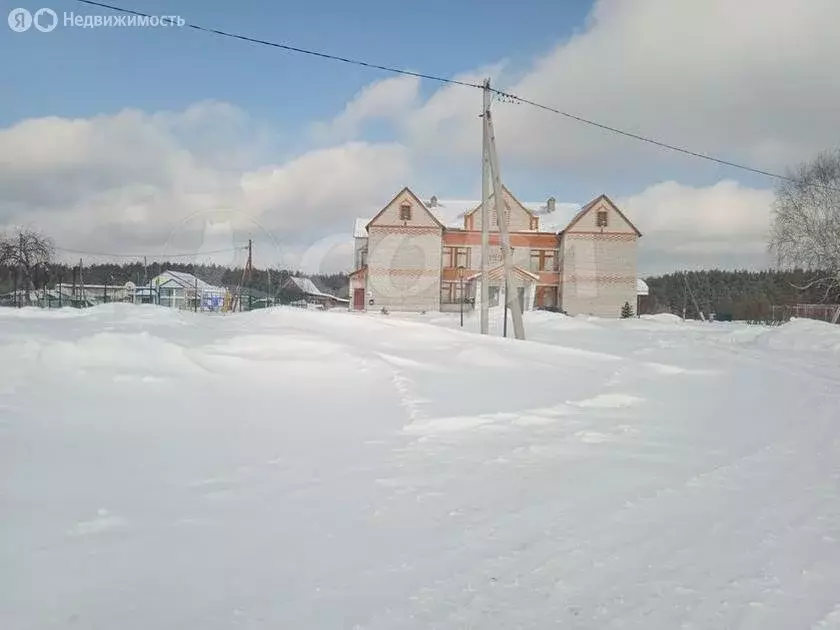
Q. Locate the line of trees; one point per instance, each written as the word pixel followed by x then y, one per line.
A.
pixel 739 295
pixel 27 264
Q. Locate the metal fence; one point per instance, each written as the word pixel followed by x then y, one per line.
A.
pixel 822 312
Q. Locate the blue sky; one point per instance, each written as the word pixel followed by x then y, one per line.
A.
pixel 219 121
pixel 82 72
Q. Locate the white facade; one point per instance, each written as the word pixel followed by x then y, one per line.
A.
pixel 598 262
pixel 404 257
pixel 178 289
pixel 409 256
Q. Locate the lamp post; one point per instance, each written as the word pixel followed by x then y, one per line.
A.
pixel 461 282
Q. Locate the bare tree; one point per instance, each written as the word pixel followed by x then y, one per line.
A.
pixel 806 222
pixel 28 253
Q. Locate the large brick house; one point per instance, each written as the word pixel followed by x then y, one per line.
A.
pixel 418 255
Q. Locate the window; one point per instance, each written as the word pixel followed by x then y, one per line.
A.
pixel 405 212
pixel 602 220
pixel 535 223
pixel 456 257
pixel 543 260
pixel 462 257
pixel 450 292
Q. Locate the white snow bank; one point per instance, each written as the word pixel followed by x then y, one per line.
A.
pixel 663 318
pixel 797 335
pixel 300 469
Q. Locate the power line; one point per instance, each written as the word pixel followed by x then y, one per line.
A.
pixel 304 51
pixel 505 95
pixel 105 255
pixel 635 136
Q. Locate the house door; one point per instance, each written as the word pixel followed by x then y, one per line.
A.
pixel 359 299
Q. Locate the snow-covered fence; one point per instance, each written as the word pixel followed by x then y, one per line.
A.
pixel 821 312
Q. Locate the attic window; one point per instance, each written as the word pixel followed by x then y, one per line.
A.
pixel 534 223
pixel 602 221
pixel 405 212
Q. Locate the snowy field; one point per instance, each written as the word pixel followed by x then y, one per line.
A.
pixel 300 470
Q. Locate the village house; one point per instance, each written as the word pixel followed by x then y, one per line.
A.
pixel 310 294
pixel 418 255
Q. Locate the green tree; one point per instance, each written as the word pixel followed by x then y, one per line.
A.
pixel 626 311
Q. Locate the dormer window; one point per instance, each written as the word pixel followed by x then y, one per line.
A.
pixel 602 219
pixel 405 212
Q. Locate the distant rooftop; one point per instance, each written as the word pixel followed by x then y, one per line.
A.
pixel 451 212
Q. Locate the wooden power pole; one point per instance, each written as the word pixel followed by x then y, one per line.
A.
pixel 246 277
pixel 502 219
pixel 485 214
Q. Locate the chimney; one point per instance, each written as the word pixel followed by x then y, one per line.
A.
pixel 551 204
pixel 433 202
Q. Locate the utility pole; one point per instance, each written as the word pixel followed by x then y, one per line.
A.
pixel 246 275
pixel 502 219
pixel 82 285
pixel 504 324
pixel 23 274
pixel 485 227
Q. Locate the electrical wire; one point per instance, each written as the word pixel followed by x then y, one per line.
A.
pixel 504 95
pixel 105 255
pixel 289 48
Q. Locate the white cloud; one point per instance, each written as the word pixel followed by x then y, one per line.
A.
pixel 385 99
pixel 750 80
pixel 168 182
pixel 724 225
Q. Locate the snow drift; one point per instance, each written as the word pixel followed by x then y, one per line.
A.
pixel 297 469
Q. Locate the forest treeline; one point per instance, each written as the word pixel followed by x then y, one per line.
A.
pixel 739 295
pixel 263 280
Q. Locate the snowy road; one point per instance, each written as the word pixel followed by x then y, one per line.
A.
pixel 293 469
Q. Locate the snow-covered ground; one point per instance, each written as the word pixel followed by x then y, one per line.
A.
pixel 297 469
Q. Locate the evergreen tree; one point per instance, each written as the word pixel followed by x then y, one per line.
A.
pixel 626 311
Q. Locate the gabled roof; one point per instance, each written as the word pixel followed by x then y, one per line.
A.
pixel 307 286
pixel 310 288
pixel 413 196
pixel 498 273
pixel 591 204
pixel 491 198
pixel 182 279
pixel 450 213
pixel 642 287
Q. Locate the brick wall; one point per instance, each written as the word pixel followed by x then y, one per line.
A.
pixel 404 268
pixel 598 273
